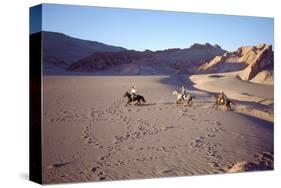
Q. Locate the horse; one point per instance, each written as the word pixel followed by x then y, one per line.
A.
pixel 137 98
pixel 219 101
pixel 180 98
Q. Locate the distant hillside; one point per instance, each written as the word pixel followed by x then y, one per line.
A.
pixel 250 60
pixel 176 60
pixel 60 50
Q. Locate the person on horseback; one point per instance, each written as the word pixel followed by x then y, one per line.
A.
pixel 133 92
pixel 222 97
pixel 183 92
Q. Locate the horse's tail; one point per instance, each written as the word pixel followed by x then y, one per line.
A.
pixel 143 100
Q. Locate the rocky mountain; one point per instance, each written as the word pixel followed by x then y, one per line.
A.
pixel 60 50
pixel 175 60
pixel 250 60
pixel 63 54
pixel 263 61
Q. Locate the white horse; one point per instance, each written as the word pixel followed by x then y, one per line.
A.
pixel 182 98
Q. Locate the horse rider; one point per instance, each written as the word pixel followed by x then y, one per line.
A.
pixel 183 92
pixel 133 92
pixel 222 97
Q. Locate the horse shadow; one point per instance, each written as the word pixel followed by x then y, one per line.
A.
pixel 146 104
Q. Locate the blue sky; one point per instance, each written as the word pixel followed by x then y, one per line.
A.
pixel 156 30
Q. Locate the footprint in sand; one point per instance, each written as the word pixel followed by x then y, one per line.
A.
pixel 101 174
pixel 217 123
pixel 95 168
pixel 102 158
pixel 130 148
pixel 214 164
pixel 210 135
pixel 102 178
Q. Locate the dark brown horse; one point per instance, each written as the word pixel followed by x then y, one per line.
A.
pixel 137 98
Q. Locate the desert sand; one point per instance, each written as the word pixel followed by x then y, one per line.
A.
pixel 90 135
pixel 253 99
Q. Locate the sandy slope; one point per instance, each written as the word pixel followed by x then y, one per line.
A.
pixel 90 135
pixel 252 99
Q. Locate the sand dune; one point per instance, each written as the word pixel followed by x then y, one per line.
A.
pixel 89 134
pixel 263 77
pixel 253 99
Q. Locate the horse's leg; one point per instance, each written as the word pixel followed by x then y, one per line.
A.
pixel 137 102
pixel 187 103
pixel 190 102
pixel 228 106
pixel 127 103
pixel 216 106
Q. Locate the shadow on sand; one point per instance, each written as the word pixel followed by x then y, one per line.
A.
pixel 146 104
pixel 216 76
pixel 167 103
